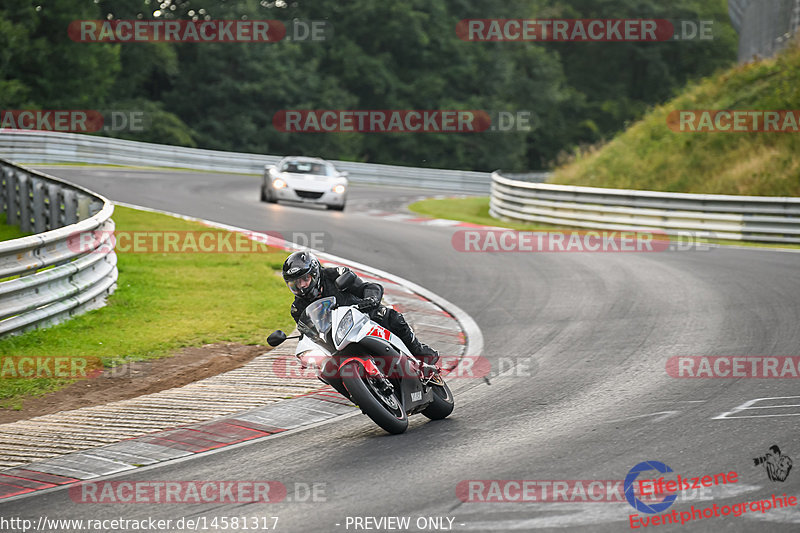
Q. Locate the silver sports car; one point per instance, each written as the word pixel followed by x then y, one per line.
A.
pixel 307 180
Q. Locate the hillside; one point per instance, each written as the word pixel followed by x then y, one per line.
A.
pixel 651 155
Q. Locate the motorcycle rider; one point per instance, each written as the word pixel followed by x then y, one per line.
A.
pixel 309 280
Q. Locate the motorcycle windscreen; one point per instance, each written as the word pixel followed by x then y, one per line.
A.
pixel 316 319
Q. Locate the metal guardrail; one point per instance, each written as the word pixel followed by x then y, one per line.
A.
pixel 26 146
pixel 745 218
pixel 55 274
pixel 765 26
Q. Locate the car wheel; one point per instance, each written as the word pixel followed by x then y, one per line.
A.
pixel 263 195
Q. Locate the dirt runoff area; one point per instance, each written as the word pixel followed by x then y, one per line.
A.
pixel 136 379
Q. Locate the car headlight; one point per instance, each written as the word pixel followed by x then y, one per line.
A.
pixel 278 183
pixel 344 326
pixel 339 189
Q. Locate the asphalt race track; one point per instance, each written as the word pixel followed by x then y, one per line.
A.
pixel 590 335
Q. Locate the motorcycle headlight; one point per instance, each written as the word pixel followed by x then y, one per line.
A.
pixel 344 326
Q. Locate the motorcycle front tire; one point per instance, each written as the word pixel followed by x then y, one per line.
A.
pixel 362 395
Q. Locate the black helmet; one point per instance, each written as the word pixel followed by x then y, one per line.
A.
pixel 302 268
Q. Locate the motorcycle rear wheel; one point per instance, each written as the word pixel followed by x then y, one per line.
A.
pixel 443 402
pixel 395 421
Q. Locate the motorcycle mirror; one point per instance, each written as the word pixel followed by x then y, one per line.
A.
pixel 344 281
pixel 275 338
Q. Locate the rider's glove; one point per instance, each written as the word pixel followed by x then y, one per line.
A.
pixel 368 303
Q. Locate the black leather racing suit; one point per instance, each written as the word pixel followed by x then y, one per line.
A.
pixel 359 290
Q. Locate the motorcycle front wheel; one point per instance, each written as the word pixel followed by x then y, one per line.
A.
pixel 384 410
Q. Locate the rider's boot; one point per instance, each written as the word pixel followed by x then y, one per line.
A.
pixel 427 355
pixel 423 352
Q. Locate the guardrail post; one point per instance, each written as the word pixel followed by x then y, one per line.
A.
pixel 24 203
pixel 4 173
pixel 54 198
pixel 11 197
pixel 39 213
pixel 95 207
pixel 83 207
pixel 70 206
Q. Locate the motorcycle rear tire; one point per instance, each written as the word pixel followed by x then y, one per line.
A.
pixel 443 403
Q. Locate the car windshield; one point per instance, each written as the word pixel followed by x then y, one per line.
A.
pixel 306 167
pixel 316 319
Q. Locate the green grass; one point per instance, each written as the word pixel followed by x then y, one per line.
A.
pixel 163 302
pixel 649 155
pixel 8 232
pixel 476 211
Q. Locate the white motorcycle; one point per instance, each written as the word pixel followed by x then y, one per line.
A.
pixel 367 363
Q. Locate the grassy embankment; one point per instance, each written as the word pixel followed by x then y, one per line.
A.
pixel 650 155
pixel 163 302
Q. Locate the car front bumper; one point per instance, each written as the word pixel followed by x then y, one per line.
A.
pixel 310 196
